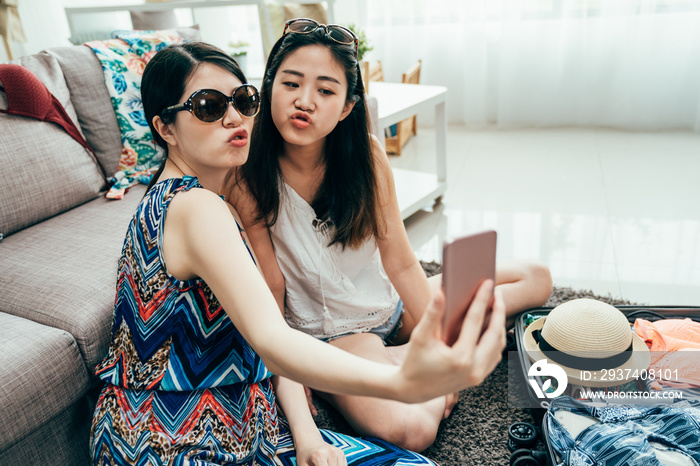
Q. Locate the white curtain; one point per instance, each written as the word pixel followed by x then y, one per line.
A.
pixel 631 64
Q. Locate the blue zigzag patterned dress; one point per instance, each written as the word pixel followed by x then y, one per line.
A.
pixel 182 385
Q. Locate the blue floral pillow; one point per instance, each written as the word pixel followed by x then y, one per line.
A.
pixel 123 60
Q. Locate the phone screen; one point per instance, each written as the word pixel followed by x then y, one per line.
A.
pixel 467 262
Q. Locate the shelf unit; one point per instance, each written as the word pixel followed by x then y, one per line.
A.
pixel 395 102
pixel 73 13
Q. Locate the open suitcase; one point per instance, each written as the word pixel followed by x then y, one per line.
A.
pixel 525 435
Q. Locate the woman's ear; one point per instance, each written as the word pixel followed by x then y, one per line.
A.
pixel 165 130
pixel 346 110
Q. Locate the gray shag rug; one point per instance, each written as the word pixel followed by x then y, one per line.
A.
pixel 476 431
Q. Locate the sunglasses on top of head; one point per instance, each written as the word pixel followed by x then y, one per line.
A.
pixel 339 34
pixel 210 105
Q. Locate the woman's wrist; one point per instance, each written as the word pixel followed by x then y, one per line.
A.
pixel 307 435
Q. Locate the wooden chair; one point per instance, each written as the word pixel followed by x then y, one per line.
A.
pixel 376 73
pixel 407 127
pixel 371 73
pixel 364 74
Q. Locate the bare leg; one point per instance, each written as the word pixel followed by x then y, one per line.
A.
pixel 411 426
pixel 524 284
pixel 397 355
pixel 408 324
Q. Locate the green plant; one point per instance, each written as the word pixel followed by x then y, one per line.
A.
pixel 363 45
pixel 239 48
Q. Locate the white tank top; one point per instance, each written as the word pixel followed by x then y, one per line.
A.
pixel 330 291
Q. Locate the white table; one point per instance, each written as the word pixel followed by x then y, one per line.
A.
pixel 395 102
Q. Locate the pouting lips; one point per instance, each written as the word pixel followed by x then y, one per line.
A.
pixel 239 139
pixel 300 120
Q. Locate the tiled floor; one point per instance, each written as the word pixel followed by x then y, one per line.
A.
pixel 611 211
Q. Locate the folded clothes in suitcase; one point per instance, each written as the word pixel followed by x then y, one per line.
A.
pixel 582 434
pixel 605 357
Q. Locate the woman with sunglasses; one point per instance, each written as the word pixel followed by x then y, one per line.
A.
pixel 317 199
pixel 197 334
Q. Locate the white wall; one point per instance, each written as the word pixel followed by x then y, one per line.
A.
pixel 44 24
pixel 636 68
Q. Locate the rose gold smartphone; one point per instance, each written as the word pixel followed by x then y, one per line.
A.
pixel 467 262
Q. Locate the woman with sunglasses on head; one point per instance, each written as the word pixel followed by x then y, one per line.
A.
pixel 317 199
pixel 197 334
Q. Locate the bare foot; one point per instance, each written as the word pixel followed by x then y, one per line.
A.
pixel 450 402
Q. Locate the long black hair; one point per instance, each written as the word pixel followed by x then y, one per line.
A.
pixel 165 79
pixel 348 193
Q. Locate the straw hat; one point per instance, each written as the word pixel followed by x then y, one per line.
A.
pixel 588 335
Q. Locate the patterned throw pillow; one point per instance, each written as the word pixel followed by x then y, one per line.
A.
pixel 123 60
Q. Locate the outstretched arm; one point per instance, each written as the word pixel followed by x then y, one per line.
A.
pixel 201 240
pixel 399 260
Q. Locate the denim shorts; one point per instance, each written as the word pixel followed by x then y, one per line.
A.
pixel 387 331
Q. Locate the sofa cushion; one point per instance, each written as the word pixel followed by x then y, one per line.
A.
pixel 48 70
pixel 315 11
pixel 93 107
pixel 55 172
pixel 43 171
pixel 151 20
pixel 62 272
pixel 41 374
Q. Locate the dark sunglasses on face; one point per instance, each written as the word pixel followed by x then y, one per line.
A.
pixel 210 105
pixel 339 34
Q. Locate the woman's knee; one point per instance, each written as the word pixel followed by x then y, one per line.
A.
pixel 415 432
pixel 541 279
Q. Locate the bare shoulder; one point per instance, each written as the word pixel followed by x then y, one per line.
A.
pixel 197 197
pixel 238 194
pixel 197 206
pixel 381 159
pixel 382 166
pixel 378 151
pixel 198 225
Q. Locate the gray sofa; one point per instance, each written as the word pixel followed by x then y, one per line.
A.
pixel 61 240
pixel 59 247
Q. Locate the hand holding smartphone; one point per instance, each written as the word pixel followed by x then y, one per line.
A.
pixel 467 262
